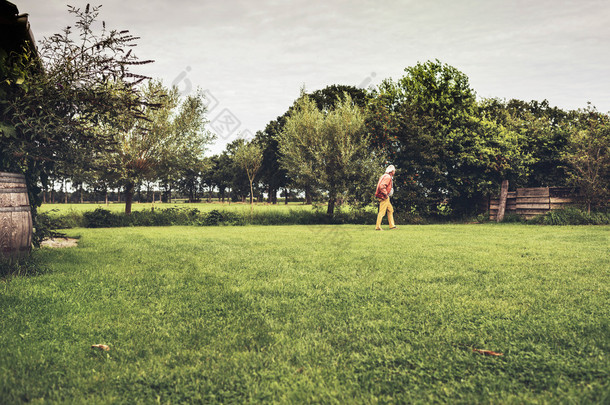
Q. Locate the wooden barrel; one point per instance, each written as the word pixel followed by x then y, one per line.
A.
pixel 15 217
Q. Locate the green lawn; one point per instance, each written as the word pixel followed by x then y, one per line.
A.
pixel 313 314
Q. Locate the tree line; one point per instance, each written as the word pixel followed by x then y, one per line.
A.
pixel 76 111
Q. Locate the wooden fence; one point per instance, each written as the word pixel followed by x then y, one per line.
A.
pixel 529 202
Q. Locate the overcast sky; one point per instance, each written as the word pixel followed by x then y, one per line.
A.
pixel 252 56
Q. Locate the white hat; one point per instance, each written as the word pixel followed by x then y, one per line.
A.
pixel 390 168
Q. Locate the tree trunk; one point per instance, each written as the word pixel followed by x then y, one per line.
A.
pixel 308 196
pixel 106 198
pixel 251 194
pixel 331 205
pixel 286 198
pixel 128 198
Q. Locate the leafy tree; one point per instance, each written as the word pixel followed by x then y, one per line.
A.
pixel 271 172
pixel 328 150
pixel 428 124
pixel 543 133
pixel 54 102
pixel 223 172
pixel 207 179
pixel 326 99
pixel 237 178
pixel 183 157
pixel 588 158
pixel 162 144
pixel 249 157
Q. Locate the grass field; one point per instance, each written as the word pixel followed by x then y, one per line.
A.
pixel 63 209
pixel 322 314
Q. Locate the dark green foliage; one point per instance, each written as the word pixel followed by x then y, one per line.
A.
pixel 512 218
pixel 213 217
pixel 328 98
pixel 447 156
pixel 101 218
pixel 543 134
pixel 65 220
pixel 53 102
pixel 45 227
pixel 587 156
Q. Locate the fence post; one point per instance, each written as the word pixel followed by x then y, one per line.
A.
pixel 503 195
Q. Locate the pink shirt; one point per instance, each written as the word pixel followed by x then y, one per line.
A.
pixel 384 186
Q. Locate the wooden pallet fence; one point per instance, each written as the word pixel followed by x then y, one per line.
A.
pixel 533 201
pixel 511 205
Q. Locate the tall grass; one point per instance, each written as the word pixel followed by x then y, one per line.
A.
pixel 312 314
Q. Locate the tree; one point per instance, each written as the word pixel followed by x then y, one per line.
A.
pixel 428 124
pixel 327 150
pixel 54 102
pixel 183 160
pixel 249 157
pixel 163 144
pixel 327 98
pixel 588 158
pixel 209 165
pixel 271 172
pixel 223 172
pixel 236 177
pixel 543 133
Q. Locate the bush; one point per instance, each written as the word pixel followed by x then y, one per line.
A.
pixel 572 216
pixel 511 218
pixel 483 217
pixel 101 218
pixel 45 227
pixel 213 217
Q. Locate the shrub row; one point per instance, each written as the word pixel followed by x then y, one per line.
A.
pixel 102 218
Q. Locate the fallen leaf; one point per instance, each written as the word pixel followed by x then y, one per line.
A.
pixel 487 352
pixel 102 347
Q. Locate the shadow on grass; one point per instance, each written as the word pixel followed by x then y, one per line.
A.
pixel 31 266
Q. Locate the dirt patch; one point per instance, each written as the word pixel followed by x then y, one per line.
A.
pixel 59 242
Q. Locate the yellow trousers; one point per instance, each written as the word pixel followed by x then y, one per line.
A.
pixel 384 205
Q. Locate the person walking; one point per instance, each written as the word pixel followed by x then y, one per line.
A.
pixel 383 193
